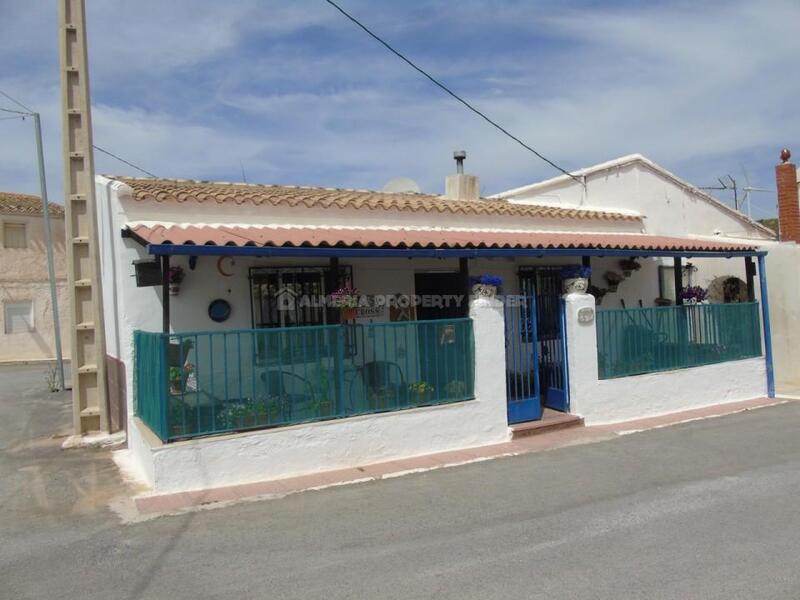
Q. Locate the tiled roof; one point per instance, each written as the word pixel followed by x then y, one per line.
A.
pixel 12 203
pixel 177 190
pixel 231 235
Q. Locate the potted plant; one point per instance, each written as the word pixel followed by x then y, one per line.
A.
pixel 575 278
pixel 422 390
pixel 693 294
pixel 486 285
pixel 346 300
pixel 177 377
pixel 628 266
pixel 613 278
pixel 175 277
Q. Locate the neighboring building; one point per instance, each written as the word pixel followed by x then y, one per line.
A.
pixel 233 370
pixel 26 321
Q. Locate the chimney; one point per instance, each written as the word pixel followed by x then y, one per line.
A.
pixel 460 186
pixel 788 201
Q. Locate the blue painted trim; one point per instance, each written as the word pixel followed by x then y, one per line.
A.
pixel 210 250
pixel 762 280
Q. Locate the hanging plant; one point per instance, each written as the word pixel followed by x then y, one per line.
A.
pixel 346 299
pixel 629 265
pixel 693 294
pixel 175 276
pixel 613 278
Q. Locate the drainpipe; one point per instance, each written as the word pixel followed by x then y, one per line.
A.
pixel 762 280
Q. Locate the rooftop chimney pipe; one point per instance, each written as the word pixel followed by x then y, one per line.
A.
pixel 461 186
pixel 460 155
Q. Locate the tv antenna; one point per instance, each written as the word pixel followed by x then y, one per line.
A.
pixel 748 189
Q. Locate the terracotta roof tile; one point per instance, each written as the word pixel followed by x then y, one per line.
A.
pixel 12 203
pixel 224 235
pixel 176 190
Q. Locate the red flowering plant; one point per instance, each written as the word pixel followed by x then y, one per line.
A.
pixel 345 297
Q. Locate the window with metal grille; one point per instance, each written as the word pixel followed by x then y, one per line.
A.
pixel 295 296
pixel 14 235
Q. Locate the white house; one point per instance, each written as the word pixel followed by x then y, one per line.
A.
pixel 229 317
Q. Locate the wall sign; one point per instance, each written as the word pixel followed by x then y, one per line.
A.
pixel 585 314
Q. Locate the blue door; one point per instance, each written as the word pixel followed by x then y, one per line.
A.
pixel 544 284
pixel 523 392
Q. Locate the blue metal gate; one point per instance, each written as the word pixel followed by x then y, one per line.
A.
pixel 523 391
pixel 535 346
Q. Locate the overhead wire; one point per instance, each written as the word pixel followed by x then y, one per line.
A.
pixel 447 90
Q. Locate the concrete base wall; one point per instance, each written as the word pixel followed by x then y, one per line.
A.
pixel 328 445
pixel 614 400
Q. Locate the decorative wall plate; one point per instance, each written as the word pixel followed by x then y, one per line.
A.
pixel 219 310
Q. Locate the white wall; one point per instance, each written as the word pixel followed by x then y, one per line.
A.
pixel 668 207
pixel 621 399
pixel 302 449
pixel 783 273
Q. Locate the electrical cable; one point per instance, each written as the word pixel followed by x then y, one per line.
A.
pixel 447 90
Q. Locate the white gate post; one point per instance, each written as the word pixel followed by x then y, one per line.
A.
pixel 581 341
pixel 488 325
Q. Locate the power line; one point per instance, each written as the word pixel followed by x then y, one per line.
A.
pixel 16 112
pixel 130 164
pixel 17 102
pixel 447 90
pixel 22 115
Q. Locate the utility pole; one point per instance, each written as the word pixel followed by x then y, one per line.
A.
pixel 89 394
pixel 48 240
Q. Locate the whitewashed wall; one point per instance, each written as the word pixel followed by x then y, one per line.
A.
pixel 601 401
pixel 309 448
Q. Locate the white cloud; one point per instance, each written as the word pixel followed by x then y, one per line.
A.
pixel 299 95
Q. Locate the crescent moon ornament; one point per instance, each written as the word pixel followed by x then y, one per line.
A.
pixel 220 268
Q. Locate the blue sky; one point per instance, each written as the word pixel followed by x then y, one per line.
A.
pixel 296 94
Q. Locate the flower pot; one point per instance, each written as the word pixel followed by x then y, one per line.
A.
pixel 174 289
pixel 481 290
pixel 348 314
pixel 575 285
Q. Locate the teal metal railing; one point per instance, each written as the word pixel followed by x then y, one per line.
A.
pixel 201 383
pixel 646 340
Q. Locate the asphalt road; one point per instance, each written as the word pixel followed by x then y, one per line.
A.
pixel 707 509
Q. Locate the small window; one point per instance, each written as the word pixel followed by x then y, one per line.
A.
pixel 14 235
pixel 18 317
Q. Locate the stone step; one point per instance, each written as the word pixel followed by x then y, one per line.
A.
pixel 551 421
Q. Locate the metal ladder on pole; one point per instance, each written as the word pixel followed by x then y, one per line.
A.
pixel 89 396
